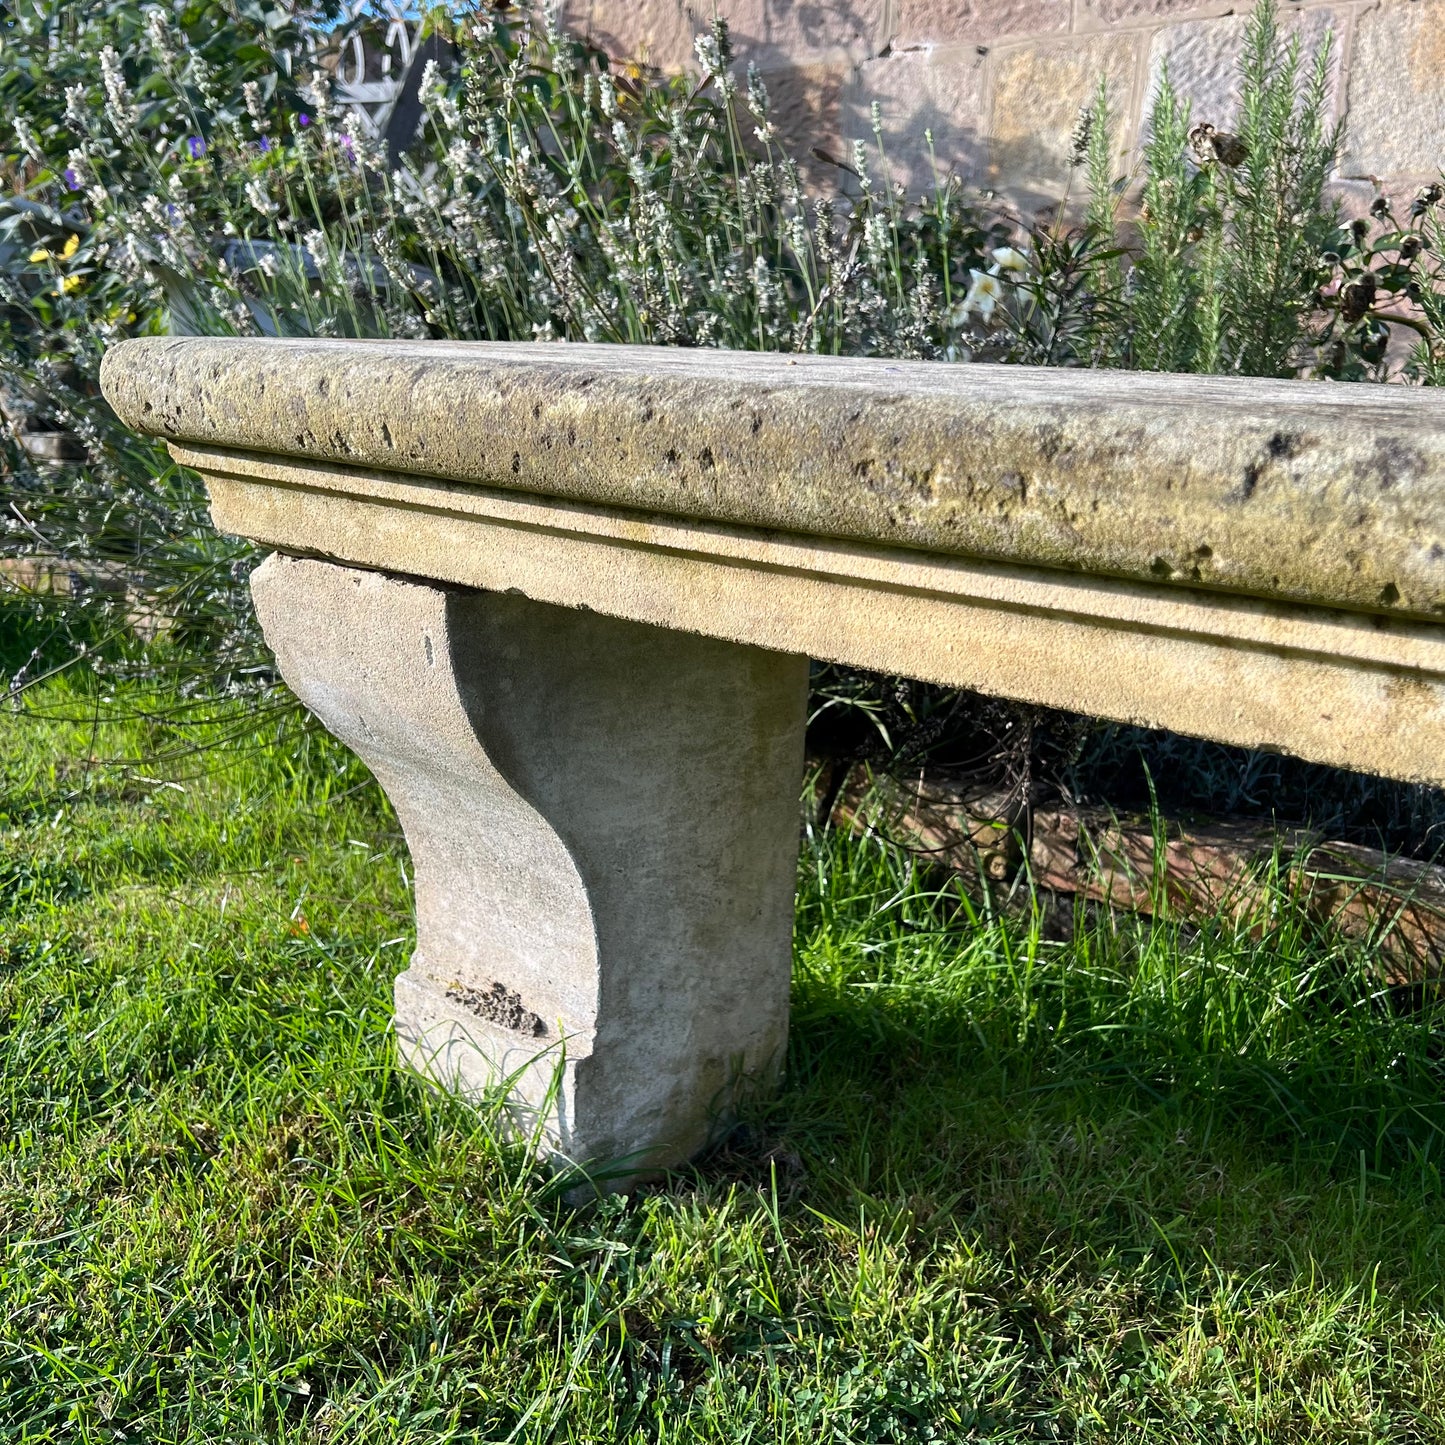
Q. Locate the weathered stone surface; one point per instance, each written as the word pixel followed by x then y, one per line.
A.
pixel 603 825
pixel 939 92
pixel 1349 689
pixel 1202 57
pixel 1397 91
pixel 1110 14
pixel 974 22
pixel 805 103
pixel 1038 91
pixel 1396 100
pixel 773 33
pixel 1333 496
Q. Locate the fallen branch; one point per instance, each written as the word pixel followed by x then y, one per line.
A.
pixel 1190 871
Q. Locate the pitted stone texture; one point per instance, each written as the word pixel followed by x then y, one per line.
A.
pixel 1397 92
pixel 1349 689
pixel 955 22
pixel 774 33
pixel 939 91
pixel 1202 57
pixel 1038 91
pixel 1329 495
pixel 602 820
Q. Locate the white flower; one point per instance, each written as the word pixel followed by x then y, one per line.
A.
pixel 983 295
pixel 255 107
pixel 76 116
pixel 709 54
pixel 320 251
pixel 256 194
pixel 162 42
pixel 607 96
pixel 318 92
pixel 758 101
pixel 29 141
pixel 118 107
pixel 1006 258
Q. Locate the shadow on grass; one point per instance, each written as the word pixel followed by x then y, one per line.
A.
pixel 1228 1100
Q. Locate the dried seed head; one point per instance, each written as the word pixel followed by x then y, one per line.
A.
pixel 1357 298
pixel 1229 149
pixel 1372 347
pixel 1425 197
pixel 1210 145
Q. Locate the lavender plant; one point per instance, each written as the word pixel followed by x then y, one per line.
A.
pixel 546 196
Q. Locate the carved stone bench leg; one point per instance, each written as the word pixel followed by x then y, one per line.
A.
pixel 603 825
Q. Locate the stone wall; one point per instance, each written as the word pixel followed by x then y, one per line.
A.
pixel 1000 83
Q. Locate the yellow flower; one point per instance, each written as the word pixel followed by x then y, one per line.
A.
pixel 70 284
pixel 40 254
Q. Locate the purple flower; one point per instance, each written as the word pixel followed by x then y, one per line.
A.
pixel 197 147
pixel 72 181
pixel 264 144
pixel 303 119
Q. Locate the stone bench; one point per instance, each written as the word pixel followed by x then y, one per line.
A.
pixel 561 600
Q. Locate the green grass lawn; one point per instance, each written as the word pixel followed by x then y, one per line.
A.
pixel 1147 1185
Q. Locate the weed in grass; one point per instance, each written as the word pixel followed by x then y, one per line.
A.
pixel 1146 1185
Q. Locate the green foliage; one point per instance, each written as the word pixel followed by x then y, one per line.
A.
pixel 108 101
pixel 1149 1184
pixel 1275 221
pixel 1170 308
pixel 1232 223
pixel 1239 259
pixel 1383 274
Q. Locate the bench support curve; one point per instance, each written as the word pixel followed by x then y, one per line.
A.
pixel 603 823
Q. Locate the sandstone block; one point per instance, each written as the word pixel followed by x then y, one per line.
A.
pixel 1038 91
pixel 1202 59
pixel 774 33
pixel 1333 497
pixel 920 23
pixel 939 92
pixel 1397 92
